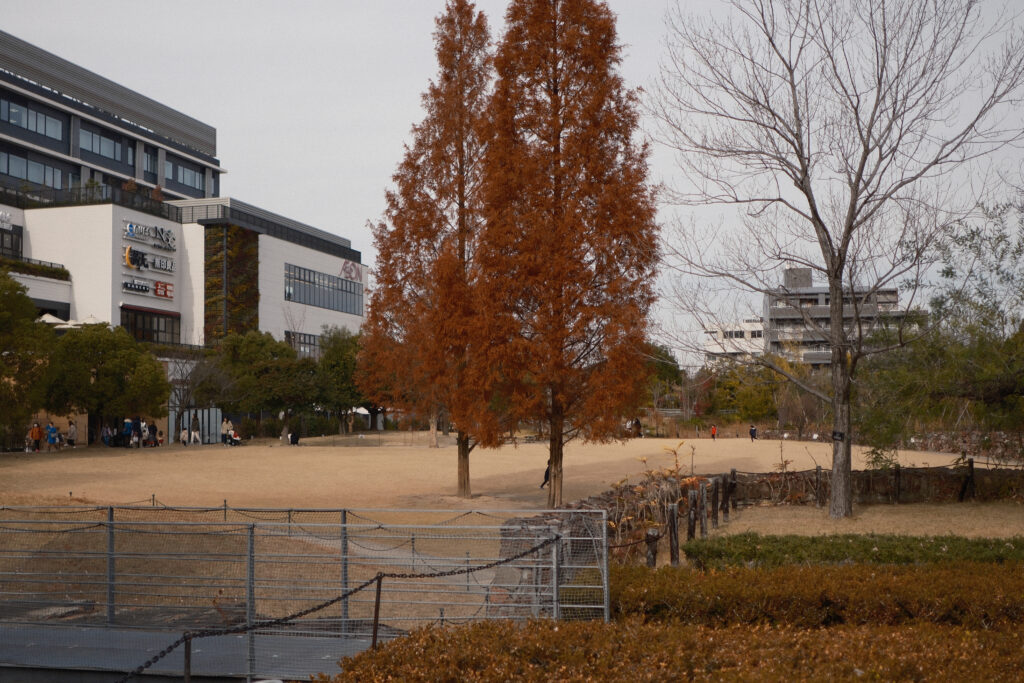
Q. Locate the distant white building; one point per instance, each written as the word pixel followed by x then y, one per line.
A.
pixel 734 341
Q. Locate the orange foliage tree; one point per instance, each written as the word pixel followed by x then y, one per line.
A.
pixel 567 256
pixel 415 352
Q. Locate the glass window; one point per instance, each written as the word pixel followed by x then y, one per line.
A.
pixel 16 115
pixel 168 170
pixel 131 154
pixel 17 166
pixel 107 147
pixel 3 162
pixel 4 110
pixel 54 128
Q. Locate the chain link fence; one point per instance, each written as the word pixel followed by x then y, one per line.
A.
pixel 276 593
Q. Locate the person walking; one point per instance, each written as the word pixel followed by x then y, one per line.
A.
pixel 547 474
pixel 51 436
pixel 714 432
pixel 196 436
pixel 36 436
pixel 136 440
pixel 224 431
pixel 72 433
pixel 753 432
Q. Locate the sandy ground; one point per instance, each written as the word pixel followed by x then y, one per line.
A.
pixel 397 470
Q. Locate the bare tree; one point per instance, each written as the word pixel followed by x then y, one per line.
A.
pixel 840 132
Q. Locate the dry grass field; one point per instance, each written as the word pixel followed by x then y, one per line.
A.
pixel 398 470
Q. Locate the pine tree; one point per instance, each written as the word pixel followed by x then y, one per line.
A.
pixel 566 260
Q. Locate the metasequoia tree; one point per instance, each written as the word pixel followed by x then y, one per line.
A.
pixel 415 352
pixel 569 246
pixel 841 132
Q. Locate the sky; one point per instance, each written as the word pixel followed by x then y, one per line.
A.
pixel 312 99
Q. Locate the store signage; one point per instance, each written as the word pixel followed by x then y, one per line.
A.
pixel 136 259
pixel 164 290
pixel 161 238
pixel 137 286
pixel 351 271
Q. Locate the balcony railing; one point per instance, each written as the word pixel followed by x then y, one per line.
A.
pixel 27 198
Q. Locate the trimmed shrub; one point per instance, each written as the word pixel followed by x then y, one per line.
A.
pixel 754 550
pixel 636 651
pixel 972 595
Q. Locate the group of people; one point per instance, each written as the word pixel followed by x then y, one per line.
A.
pixel 228 435
pixel 55 439
pixel 135 433
pixel 714 432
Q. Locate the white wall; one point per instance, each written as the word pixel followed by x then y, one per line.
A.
pixel 81 238
pixel 278 315
pixel 89 241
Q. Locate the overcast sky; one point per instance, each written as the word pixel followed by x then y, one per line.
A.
pixel 312 99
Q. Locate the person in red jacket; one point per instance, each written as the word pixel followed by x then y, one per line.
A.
pixel 714 432
pixel 36 435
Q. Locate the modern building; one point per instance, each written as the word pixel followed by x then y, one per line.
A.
pixel 797 313
pixel 66 129
pixel 110 211
pixel 109 201
pixel 734 341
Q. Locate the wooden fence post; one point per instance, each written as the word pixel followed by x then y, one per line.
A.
pixel 703 511
pixel 716 486
pixel 691 518
pixel 673 534
pixel 732 487
pixel 651 539
pixel 725 499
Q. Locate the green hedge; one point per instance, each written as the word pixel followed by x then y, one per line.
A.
pixel 637 651
pixel 754 550
pixel 38 269
pixel 973 595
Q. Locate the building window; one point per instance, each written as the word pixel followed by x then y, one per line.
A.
pixel 149 162
pixel 757 334
pixel 191 178
pixel 99 144
pixel 10 242
pixel 151 326
pixel 32 171
pixel 31 119
pixel 734 334
pixel 305 345
pixel 305 286
pixel 168 170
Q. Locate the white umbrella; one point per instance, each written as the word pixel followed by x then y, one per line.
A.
pixel 91 320
pixel 49 319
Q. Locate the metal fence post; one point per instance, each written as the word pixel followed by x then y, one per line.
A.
pixel 344 570
pixel 703 509
pixel 555 548
pixel 716 486
pixel 250 600
pixel 376 613
pixel 604 567
pixel 110 565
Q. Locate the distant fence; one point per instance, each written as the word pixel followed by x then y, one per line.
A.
pixel 276 593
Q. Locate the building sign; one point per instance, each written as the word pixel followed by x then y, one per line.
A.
pixel 153 235
pixel 164 290
pixel 137 286
pixel 136 259
pixel 352 271
pixel 5 220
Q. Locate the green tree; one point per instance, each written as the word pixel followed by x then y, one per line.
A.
pixel 259 373
pixel 745 391
pixel 105 373
pixel 24 349
pixel 336 368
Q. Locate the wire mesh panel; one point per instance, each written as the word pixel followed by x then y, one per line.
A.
pixel 282 593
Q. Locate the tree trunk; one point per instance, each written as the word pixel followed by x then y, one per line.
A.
pixel 433 428
pixel 462 439
pixel 841 502
pixel 555 447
